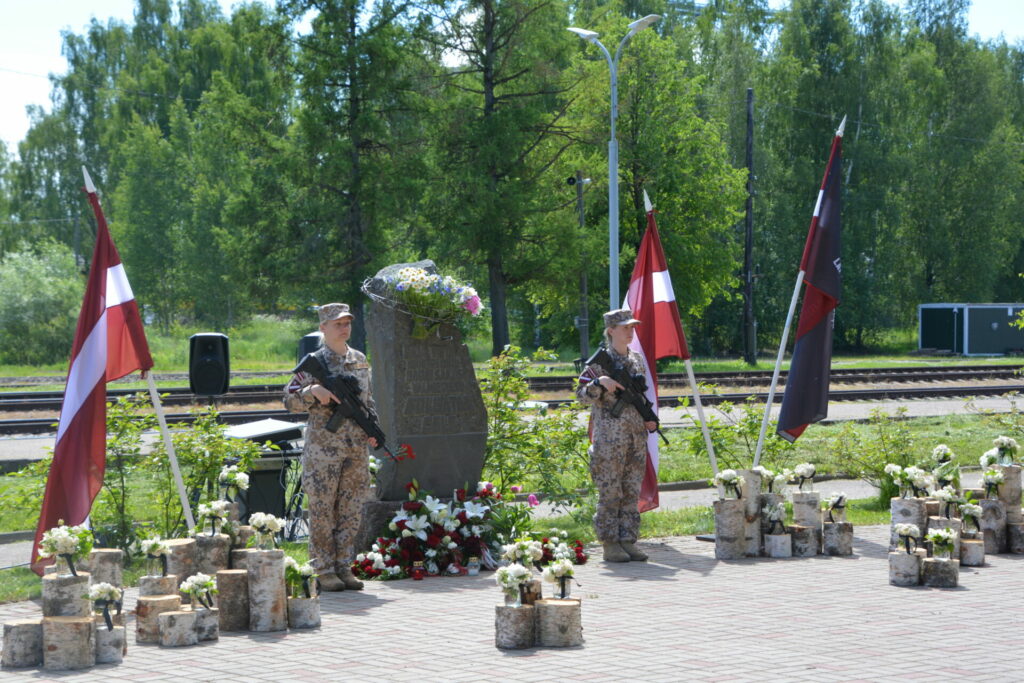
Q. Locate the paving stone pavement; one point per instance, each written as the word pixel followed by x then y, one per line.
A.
pixel 681 616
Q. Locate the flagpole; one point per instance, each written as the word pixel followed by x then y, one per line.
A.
pixel 778 367
pixel 700 416
pixel 169 446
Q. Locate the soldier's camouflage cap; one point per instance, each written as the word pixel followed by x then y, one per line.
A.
pixel 329 312
pixel 622 316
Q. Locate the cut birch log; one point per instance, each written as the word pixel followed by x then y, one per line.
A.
pixel 147 612
pixel 239 557
pixel 234 512
pixel 993 524
pixel 1009 493
pixel 750 495
pixel 514 627
pixel 1015 538
pixel 904 568
pixel 972 552
pixel 953 524
pixel 940 573
pixel 178 629
pixel 303 612
pixel 764 500
pixel 212 553
pixel 65 595
pixel 559 623
pixel 730 534
pixel 932 507
pixel 158 585
pixel 532 591
pixel 778 545
pixel 268 605
pixel 233 599
pixel 906 511
pixel 110 645
pixel 837 538
pixel 807 512
pixel 182 560
pixel 23 643
pixel 106 565
pixel 68 643
pixel 805 540
pixel 207 622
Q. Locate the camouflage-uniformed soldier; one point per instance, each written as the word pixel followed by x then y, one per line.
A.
pixel 618 450
pixel 335 467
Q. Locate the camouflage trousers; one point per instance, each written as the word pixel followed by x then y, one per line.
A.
pixel 617 465
pixel 336 479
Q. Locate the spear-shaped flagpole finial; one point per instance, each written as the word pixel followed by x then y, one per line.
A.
pixel 842 127
pixel 648 207
pixel 89 187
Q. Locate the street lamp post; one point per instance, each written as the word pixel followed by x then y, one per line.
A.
pixel 613 151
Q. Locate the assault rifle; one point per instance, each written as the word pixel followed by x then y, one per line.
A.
pixel 346 388
pixel 633 388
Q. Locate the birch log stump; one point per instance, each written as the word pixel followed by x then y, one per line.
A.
pixel 68 643
pixel 1009 493
pixel 1015 538
pixel 932 507
pixel 147 613
pixel 303 612
pixel 904 568
pixel 240 557
pixel 106 565
pixel 940 573
pixel 972 552
pixel 158 585
pixel 750 495
pixel 64 595
pixel 207 622
pixel 805 540
pixel 559 623
pixel 233 599
pixel 234 512
pixel 182 559
pixel 178 629
pixel 212 553
pixel 764 500
pixel 906 511
pixel 953 524
pixel 807 512
pixel 514 627
pixel 110 645
pixel 778 545
pixel 23 643
pixel 268 606
pixel 837 538
pixel 730 529
pixel 993 524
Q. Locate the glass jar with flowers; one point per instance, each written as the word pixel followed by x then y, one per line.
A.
pixel 200 588
pixel 559 572
pixel 970 513
pixel 511 579
pixel 68 545
pixel 104 596
pixel 992 478
pixel 156 552
pixel 731 483
pixel 233 481
pixel 908 535
pixel 213 513
pixel 836 506
pixel 804 473
pixel 942 542
pixel 267 527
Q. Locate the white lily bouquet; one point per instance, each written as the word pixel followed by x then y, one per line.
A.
pixel 942 541
pixel 559 572
pixel 730 481
pixel 103 595
pixel 201 588
pixel 992 479
pixel 836 506
pixel 267 527
pixel 233 479
pixel 214 512
pixel 971 512
pixel 156 552
pixel 775 513
pixel 511 579
pixel 908 533
pixel 804 473
pixel 68 544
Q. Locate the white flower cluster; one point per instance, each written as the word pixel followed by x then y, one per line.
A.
pixel 907 530
pixel 216 509
pixel 1005 443
pixel 415 278
pixel 781 479
pixel 523 549
pixel 231 476
pixel 155 547
pixel 989 457
pixel 970 510
pixel 104 591
pixel 198 583
pixel 917 477
pixel 942 453
pixel 940 537
pixel 775 512
pixel 947 494
pixel 805 470
pixel 766 474
pixel 992 477
pixel 291 564
pixel 728 478
pixel 265 523
pixel 557 569
pixel 512 576
pixel 61 540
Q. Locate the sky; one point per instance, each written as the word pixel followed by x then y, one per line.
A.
pixel 30 45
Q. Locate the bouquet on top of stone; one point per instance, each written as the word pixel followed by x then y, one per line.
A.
pixel 429 297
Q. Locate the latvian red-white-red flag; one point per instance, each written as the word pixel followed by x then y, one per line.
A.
pixel 659 334
pixel 109 343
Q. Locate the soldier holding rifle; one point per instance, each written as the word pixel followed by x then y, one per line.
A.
pixel 335 464
pixel 618 451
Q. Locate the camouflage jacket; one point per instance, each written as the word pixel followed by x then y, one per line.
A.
pixel 299 399
pixel 591 393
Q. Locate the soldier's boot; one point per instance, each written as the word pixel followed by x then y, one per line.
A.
pixel 331 582
pixel 351 582
pixel 634 553
pixel 613 552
